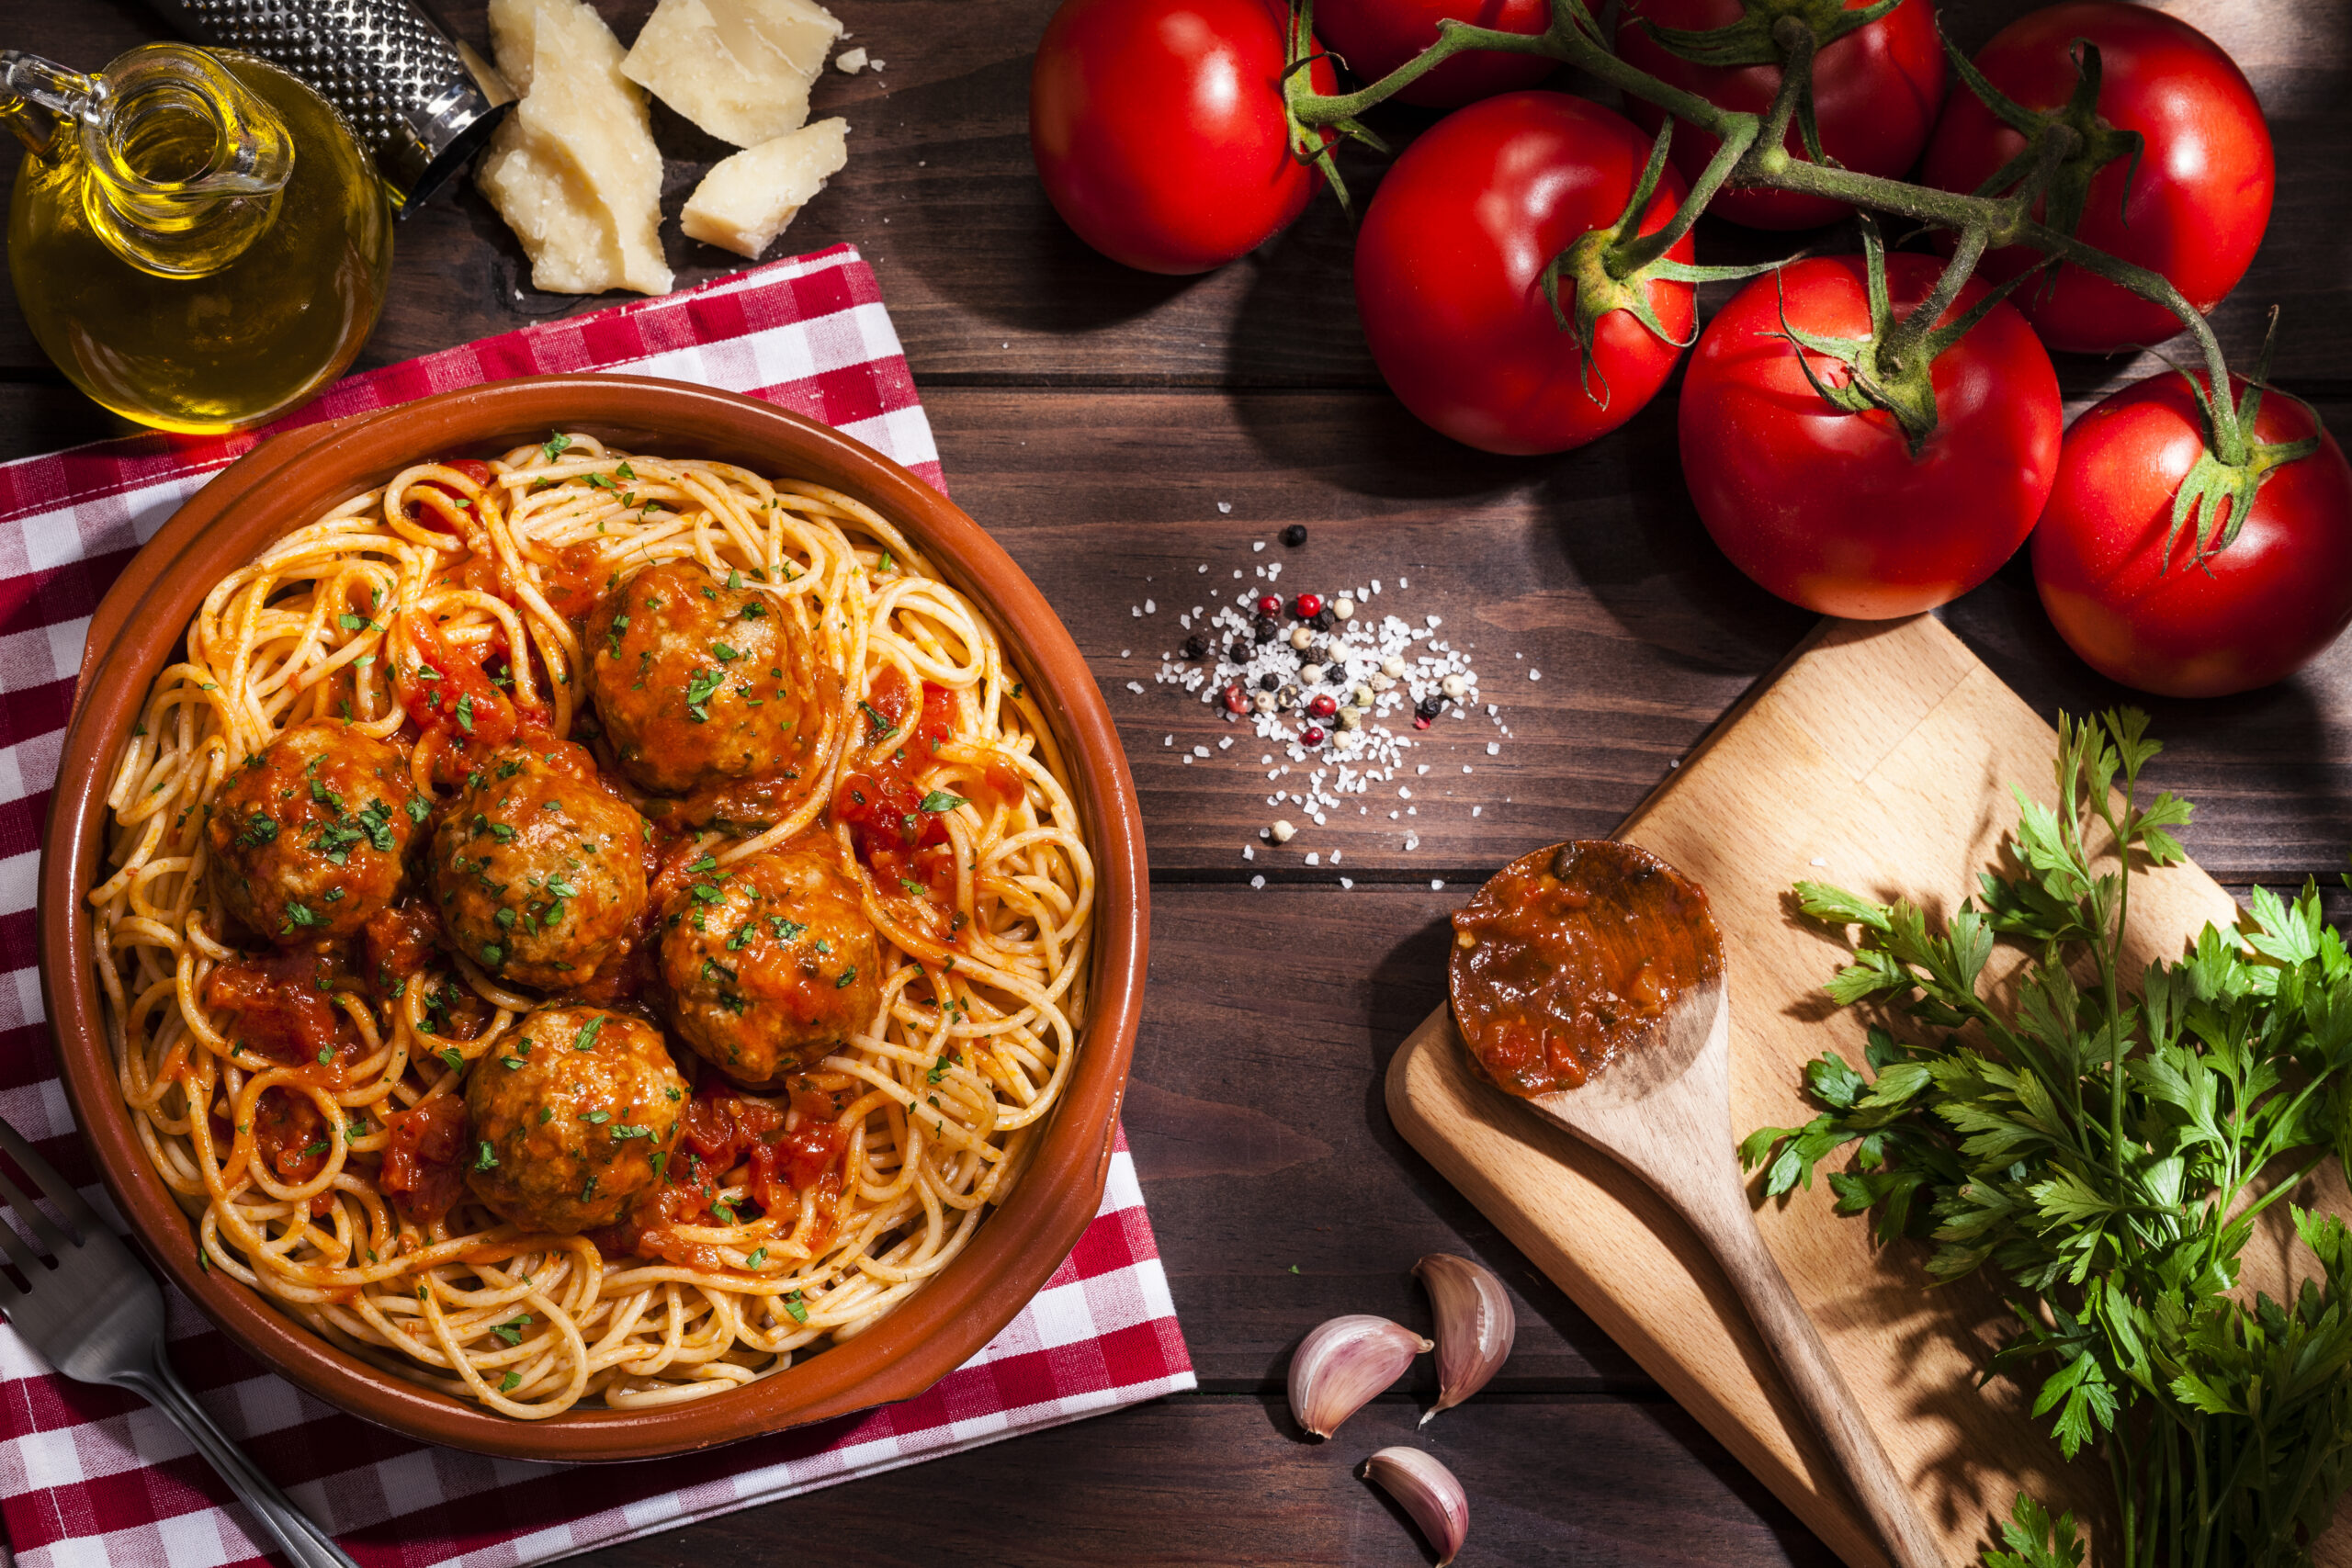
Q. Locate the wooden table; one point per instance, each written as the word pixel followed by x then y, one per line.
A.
pixel 1116 431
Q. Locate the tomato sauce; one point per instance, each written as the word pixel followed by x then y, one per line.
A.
pixel 1563 961
pixel 904 846
pixel 280 1005
pixel 431 516
pixel 291 1136
pixel 719 1131
pixel 424 1172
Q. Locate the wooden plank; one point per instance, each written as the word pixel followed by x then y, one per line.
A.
pixel 988 287
pixel 1280 1194
pixel 1874 761
pixel 1591 566
pixel 1194 1480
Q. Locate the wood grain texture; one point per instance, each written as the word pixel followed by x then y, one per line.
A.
pixel 1182 1483
pixel 1094 418
pixel 988 287
pixel 1874 761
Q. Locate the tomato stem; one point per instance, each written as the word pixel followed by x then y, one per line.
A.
pixel 2065 148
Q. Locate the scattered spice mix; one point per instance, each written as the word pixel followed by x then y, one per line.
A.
pixel 1338 688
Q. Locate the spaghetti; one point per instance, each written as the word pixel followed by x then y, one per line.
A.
pixel 444 620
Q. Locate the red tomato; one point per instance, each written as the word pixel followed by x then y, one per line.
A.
pixel 1830 510
pixel 1375 37
pixel 1159 131
pixel 1875 94
pixel 1450 262
pixel 2249 616
pixel 2196 209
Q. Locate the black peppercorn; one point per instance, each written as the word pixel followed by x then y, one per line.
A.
pixel 1196 647
pixel 1337 674
pixel 1268 681
pixel 1432 705
pixel 1266 630
pixel 1295 536
pixel 1324 620
pixel 1240 652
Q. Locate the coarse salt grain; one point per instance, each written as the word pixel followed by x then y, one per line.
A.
pixel 1249 851
pixel 1313 859
pixel 1817 861
pixel 1347 882
pixel 1437 884
pixel 1257 882
pixel 1225 506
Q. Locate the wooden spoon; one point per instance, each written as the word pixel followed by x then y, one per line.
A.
pixel 1616 954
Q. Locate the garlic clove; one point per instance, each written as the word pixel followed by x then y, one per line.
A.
pixel 1426 1489
pixel 1475 1325
pixel 1342 1363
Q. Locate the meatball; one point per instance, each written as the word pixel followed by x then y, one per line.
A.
pixel 308 837
pixel 708 691
pixel 770 963
pixel 539 868
pixel 574 1118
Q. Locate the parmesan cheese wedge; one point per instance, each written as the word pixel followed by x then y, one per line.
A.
pixel 746 201
pixel 739 69
pixel 573 170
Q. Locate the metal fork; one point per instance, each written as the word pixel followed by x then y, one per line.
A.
pixel 98 1315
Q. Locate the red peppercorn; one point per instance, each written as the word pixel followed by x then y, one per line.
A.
pixel 1307 606
pixel 1322 704
pixel 1312 735
pixel 1235 699
pixel 1270 604
pixel 1419 722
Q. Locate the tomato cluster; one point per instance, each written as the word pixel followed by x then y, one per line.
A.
pixel 1845 458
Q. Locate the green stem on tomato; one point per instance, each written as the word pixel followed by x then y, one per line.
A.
pixel 1573 39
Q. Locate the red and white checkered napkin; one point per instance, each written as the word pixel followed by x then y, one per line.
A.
pixel 91 1475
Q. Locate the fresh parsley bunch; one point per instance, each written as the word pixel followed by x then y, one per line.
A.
pixel 2105 1144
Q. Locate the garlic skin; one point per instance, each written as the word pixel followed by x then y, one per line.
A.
pixel 1342 1363
pixel 1426 1489
pixel 1475 1325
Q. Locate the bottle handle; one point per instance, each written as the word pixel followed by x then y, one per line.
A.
pixel 40 99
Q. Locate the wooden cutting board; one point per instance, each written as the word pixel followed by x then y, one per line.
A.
pixel 1878 759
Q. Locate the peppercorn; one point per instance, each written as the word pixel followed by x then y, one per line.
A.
pixel 1265 631
pixel 1240 652
pixel 1454 686
pixel 1302 638
pixel 1295 536
pixel 1307 606
pixel 1235 699
pixel 1430 705
pixel 1339 674
pixel 1324 620
pixel 1268 681
pixel 1196 647
pixel 1270 604
pixel 1312 735
pixel 1322 704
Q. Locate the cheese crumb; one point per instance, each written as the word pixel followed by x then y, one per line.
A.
pixel 573 170
pixel 748 199
pixel 850 61
pixel 739 69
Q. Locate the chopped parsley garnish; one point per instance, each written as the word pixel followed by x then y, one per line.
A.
pixel 849 978
pixel 510 1383
pixel 419 808
pixel 792 1304
pixel 586 1039
pixel 512 1329
pixel 701 686
pixel 787 931
pixel 299 914
pixel 759 1255
pixel 595 1118
pixel 940 800
pixel 557 445
pixel 260 828
pixel 492 953
pixel 485 1159
pixel 326 1055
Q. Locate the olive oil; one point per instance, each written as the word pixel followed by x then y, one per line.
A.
pixel 197 241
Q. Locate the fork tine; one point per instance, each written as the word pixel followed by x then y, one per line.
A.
pixel 79 1215
pixel 28 1215
pixel 11 1298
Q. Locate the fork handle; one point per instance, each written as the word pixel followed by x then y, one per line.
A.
pixel 305 1545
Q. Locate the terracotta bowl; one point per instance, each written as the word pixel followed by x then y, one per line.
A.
pixel 293 479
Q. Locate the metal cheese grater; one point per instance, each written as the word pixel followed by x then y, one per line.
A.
pixel 420 101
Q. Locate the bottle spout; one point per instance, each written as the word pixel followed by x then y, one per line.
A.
pixel 185 163
pixel 44 103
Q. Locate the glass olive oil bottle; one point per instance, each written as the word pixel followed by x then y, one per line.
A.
pixel 196 239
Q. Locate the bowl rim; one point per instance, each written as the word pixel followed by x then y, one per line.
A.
pixel 290 480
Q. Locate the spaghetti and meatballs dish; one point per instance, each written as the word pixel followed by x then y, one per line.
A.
pixel 590 926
